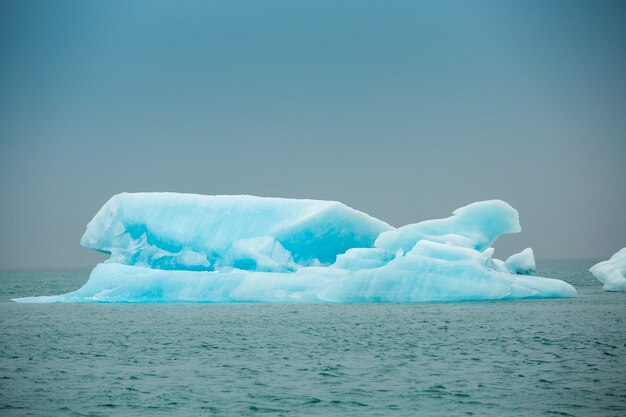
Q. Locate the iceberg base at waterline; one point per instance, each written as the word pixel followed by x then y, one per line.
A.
pixel 442 281
pixel 168 247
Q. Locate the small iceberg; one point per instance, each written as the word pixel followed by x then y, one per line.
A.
pixel 612 273
pixel 168 247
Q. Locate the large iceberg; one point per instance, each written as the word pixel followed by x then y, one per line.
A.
pixel 612 273
pixel 191 248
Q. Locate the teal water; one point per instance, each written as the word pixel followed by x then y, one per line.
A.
pixel 506 358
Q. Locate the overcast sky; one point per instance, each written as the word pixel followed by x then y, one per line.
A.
pixel 404 110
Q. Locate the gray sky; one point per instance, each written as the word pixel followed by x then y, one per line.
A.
pixel 404 110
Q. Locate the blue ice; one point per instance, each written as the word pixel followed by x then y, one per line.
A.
pixel 168 247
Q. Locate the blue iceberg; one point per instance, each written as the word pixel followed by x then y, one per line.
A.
pixel 168 247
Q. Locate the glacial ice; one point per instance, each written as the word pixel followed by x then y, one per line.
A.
pixel 476 226
pixel 522 263
pixel 612 273
pixel 169 247
pixel 207 233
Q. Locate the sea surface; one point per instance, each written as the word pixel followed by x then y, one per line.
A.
pixel 559 357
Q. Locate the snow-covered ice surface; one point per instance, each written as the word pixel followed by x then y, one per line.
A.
pixel 612 273
pixel 168 247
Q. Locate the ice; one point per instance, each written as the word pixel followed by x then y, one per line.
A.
pixel 363 258
pixel 476 226
pixel 168 247
pixel 397 281
pixel 612 273
pixel 195 232
pixel 522 263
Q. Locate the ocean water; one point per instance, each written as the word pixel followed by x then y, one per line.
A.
pixel 503 358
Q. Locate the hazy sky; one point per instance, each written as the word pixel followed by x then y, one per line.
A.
pixel 404 110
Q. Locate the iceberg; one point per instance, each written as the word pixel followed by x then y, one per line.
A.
pixel 612 273
pixel 168 247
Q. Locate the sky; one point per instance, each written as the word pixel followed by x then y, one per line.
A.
pixel 405 110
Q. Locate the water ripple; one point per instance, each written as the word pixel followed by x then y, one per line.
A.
pixel 517 358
